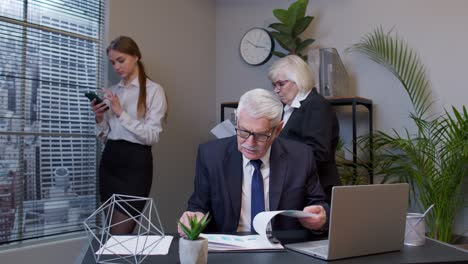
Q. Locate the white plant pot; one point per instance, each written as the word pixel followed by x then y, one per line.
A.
pixel 193 251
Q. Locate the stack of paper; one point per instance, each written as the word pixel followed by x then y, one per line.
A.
pixel 219 242
pixel 224 129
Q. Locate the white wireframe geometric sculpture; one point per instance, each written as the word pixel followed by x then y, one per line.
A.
pixel 104 245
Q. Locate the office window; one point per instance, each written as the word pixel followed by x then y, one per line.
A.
pixel 50 53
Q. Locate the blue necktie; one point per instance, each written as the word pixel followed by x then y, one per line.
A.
pixel 258 200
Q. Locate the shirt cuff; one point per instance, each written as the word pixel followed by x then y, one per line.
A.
pixel 101 130
pixel 101 126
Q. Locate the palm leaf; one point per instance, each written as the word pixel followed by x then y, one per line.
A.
pixel 402 62
pixel 434 158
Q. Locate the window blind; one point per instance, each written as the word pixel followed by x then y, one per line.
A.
pixel 50 52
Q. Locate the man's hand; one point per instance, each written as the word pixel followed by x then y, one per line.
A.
pixel 314 222
pixel 184 220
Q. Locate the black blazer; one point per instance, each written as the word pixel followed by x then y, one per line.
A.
pixel 315 124
pixel 218 183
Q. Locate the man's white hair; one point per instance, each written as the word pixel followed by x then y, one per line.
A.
pixel 260 103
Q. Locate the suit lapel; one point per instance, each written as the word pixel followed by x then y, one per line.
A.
pixel 233 175
pixel 278 170
pixel 297 115
pixel 295 118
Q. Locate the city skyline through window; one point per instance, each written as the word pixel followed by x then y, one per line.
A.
pixel 51 55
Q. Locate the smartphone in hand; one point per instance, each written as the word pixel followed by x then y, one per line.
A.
pixel 92 95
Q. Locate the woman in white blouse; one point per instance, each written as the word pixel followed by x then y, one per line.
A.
pixel 131 125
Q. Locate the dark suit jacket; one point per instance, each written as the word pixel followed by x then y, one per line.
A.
pixel 218 183
pixel 315 124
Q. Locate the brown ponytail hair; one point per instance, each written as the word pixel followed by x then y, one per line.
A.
pixel 128 46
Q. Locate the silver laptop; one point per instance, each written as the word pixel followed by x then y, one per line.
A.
pixel 364 220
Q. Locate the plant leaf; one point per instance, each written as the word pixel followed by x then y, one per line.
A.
pixel 302 8
pixel 282 28
pixel 184 228
pixel 434 159
pixel 301 25
pixel 285 41
pixel 279 54
pixel 296 11
pixel 281 15
pixel 304 44
pixel 195 226
pixel 384 49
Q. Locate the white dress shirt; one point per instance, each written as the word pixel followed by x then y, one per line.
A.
pixel 248 170
pixel 144 130
pixel 296 103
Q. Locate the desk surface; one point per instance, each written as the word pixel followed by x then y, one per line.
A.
pixel 432 252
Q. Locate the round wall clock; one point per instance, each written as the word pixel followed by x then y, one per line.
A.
pixel 256 46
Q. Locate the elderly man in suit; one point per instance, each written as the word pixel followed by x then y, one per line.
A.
pixel 255 171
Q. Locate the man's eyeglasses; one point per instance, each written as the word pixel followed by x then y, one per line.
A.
pixel 260 137
pixel 279 84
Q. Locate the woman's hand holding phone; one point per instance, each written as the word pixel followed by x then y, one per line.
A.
pixel 99 110
pixel 98 106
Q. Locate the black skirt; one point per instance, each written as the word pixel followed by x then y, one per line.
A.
pixel 126 168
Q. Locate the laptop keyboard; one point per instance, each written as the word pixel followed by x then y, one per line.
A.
pixel 320 243
pixel 319 250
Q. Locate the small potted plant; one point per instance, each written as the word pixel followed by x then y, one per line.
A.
pixel 193 249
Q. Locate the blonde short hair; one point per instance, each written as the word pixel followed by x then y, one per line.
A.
pixel 293 68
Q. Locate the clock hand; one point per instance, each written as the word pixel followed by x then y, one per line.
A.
pixel 257 46
pixel 251 43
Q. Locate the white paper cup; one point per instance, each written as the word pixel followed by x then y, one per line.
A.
pixel 415 231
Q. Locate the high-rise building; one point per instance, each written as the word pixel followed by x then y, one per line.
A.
pixel 63 109
pixel 48 68
pixel 7 203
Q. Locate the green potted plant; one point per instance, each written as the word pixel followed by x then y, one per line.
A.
pixel 293 23
pixel 434 158
pixel 193 249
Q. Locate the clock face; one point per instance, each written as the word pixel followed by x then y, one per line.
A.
pixel 256 46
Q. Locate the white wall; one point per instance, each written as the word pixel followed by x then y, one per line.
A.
pixel 435 29
pixel 177 39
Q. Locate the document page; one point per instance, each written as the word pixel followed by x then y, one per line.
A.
pixel 262 219
pixel 136 245
pixel 224 129
pixel 220 242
